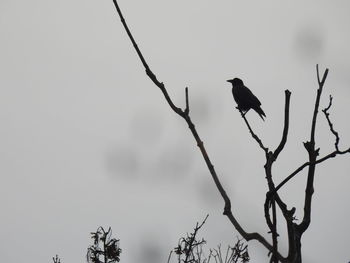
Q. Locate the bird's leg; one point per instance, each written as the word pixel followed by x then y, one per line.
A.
pixel 243 112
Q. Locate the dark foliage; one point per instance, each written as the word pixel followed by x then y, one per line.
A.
pixel 56 259
pixel 105 249
pixel 190 250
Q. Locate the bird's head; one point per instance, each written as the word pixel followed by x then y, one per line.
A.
pixel 236 82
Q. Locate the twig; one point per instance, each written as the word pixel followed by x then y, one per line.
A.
pixel 171 252
pixel 147 68
pixel 187 109
pixel 317 103
pixel 330 124
pixel 255 137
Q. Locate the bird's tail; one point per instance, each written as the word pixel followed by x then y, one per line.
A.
pixel 260 112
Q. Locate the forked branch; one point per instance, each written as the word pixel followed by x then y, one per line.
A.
pixel 313 153
pixel 326 157
pixel 185 115
pixel 306 164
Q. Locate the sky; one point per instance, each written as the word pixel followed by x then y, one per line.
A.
pixel 87 140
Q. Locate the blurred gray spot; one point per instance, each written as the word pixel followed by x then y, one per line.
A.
pixel 151 251
pixel 200 109
pixel 175 162
pixel 343 71
pixel 309 42
pixel 147 126
pixel 207 192
pixel 122 162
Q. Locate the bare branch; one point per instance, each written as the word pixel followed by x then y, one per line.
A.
pixel 286 126
pixel 270 158
pixel 147 68
pixel 321 83
pixel 187 109
pixel 330 124
pixel 255 137
pixel 317 103
pixel 200 226
pixel 313 153
pixel 185 114
pixel 268 166
pixel 169 257
pixel 301 167
pixel 191 240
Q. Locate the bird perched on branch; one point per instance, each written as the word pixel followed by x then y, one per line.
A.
pixel 245 99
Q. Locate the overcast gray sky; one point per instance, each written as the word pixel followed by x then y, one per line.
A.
pixel 87 140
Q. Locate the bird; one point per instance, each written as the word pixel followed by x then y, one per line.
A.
pixel 244 98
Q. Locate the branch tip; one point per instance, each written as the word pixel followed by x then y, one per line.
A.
pixel 325 74
pixel 286 125
pixel 187 109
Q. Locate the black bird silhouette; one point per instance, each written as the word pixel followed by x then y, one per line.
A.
pixel 245 99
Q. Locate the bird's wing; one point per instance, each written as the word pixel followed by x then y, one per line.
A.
pixel 248 97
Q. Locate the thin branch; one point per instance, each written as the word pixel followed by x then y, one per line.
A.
pixel 253 236
pixel 313 153
pixel 271 202
pixel 187 109
pixel 301 167
pixel 255 137
pixel 317 103
pixel 286 125
pixel 147 68
pixel 325 74
pixel 270 158
pixel 169 257
pixel 200 226
pixel 192 239
pixel 330 124
pixel 274 233
pixel 185 114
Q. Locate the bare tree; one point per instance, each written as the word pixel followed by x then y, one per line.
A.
pixel 273 200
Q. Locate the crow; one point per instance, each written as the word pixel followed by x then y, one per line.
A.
pixel 245 99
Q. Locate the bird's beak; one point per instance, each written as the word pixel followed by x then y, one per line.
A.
pixel 229 80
